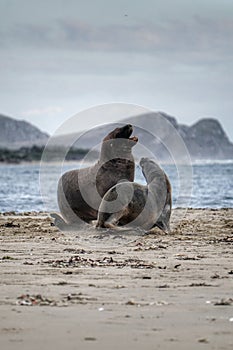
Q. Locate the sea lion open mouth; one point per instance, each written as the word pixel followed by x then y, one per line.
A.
pixel 124 132
pixel 134 139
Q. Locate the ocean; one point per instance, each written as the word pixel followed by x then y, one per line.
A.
pixel 207 185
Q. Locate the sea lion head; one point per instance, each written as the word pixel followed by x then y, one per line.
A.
pixel 118 143
pixel 122 133
pixel 150 169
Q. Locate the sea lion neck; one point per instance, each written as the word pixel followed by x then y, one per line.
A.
pixel 111 151
pixel 154 177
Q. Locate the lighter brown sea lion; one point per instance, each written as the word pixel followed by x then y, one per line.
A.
pixel 80 191
pixel 136 205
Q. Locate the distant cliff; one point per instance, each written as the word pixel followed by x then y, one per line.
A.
pixel 205 139
pixel 19 133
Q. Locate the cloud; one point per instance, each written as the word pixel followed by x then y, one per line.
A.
pixel 195 34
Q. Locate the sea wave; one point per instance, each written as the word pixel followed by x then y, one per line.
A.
pixel 212 161
pixel 211 181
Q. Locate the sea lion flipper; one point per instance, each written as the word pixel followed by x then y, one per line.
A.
pixel 163 221
pixel 163 225
pixel 59 221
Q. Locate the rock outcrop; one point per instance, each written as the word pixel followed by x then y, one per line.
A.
pixel 16 133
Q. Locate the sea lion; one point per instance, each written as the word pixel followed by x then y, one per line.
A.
pixel 136 205
pixel 80 191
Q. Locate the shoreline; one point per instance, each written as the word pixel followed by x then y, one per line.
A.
pixel 36 213
pixel 197 162
pixel 88 290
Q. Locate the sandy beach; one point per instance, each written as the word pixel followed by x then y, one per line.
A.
pixel 92 290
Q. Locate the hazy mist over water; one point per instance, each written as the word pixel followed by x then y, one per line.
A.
pixel 20 187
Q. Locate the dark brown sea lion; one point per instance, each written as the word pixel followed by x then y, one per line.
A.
pixel 133 205
pixel 80 191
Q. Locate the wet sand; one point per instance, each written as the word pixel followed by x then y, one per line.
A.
pixel 89 290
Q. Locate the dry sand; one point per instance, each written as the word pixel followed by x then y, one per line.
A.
pixel 88 290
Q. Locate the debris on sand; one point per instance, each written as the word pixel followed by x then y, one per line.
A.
pixel 79 261
pixel 11 224
pixel 39 300
pixel 224 302
pixel 32 300
pixel 90 338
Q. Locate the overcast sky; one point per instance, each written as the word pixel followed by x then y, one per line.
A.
pixel 58 57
